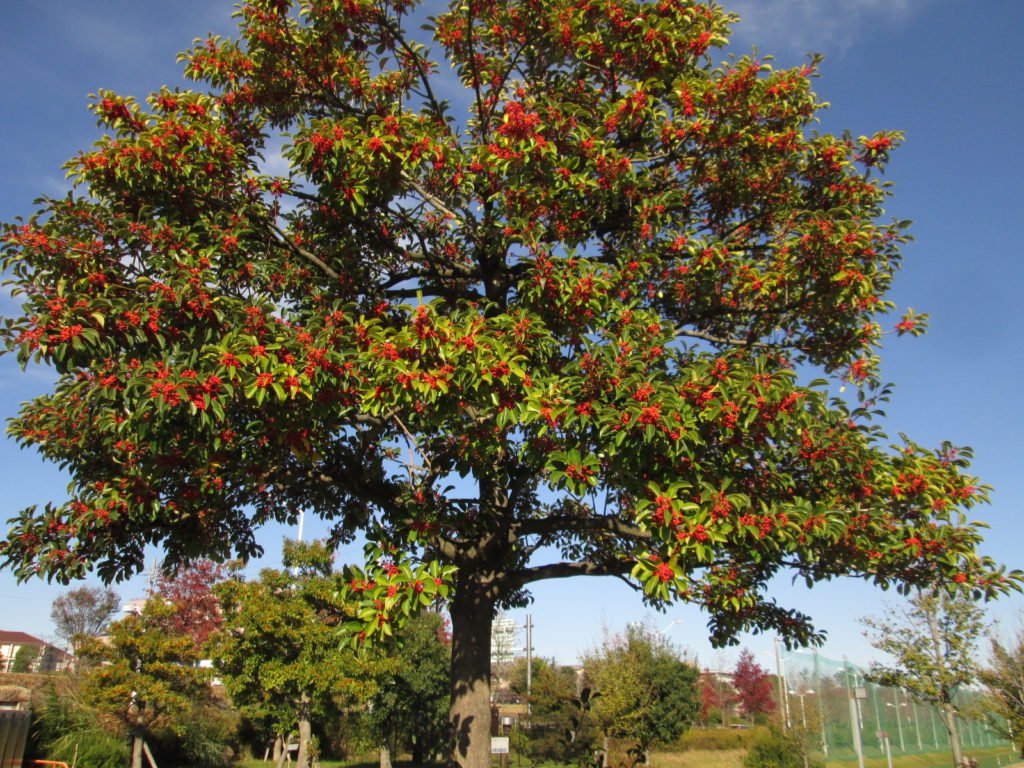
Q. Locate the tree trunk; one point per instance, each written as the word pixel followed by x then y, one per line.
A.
pixel 949 719
pixel 470 715
pixel 278 748
pixel 419 755
pixel 137 750
pixel 385 756
pixel 305 732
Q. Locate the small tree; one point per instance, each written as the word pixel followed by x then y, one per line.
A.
pixel 648 694
pixel 145 678
pixel 279 652
pixel 551 713
pixel 410 706
pixel 754 686
pixel 931 641
pixel 27 658
pixel 197 611
pixel 1004 679
pixel 717 698
pixel 83 613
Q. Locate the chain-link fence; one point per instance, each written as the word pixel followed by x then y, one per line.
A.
pixel 836 710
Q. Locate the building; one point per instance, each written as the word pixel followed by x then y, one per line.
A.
pixel 40 655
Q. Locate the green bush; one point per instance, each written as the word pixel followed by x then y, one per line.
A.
pixel 775 750
pixel 719 738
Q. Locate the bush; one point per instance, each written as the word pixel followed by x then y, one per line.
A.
pixel 776 750
pixel 67 731
pixel 720 738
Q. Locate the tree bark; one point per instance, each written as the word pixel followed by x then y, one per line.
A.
pixel 949 717
pixel 137 750
pixel 472 610
pixel 305 732
pixel 385 756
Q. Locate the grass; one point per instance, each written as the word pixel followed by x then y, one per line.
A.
pixel 725 758
pixel 699 758
pixel 987 758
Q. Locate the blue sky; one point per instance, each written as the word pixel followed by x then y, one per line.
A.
pixel 945 71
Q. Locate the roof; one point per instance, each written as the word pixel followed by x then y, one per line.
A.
pixel 19 638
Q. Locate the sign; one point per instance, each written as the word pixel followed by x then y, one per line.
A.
pixel 499 745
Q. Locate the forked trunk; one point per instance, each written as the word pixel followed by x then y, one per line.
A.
pixel 470 714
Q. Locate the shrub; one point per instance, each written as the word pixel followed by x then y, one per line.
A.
pixel 720 738
pixel 776 750
pixel 67 731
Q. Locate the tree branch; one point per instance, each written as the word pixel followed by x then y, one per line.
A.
pixel 567 570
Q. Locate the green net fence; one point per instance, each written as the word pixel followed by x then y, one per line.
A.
pixel 832 706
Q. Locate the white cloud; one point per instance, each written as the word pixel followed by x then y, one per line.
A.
pixel 794 27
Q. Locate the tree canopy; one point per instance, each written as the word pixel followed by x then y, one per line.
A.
pixel 648 692
pixel 753 685
pixel 553 324
pixel 145 677
pixel 1003 676
pixel 83 613
pixel 279 653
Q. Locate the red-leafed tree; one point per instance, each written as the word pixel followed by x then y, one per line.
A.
pixel 717 697
pixel 753 685
pixel 196 611
pixel 553 325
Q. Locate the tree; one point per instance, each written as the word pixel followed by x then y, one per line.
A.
pixel 551 729
pixel 753 686
pixel 1004 678
pixel 27 658
pixel 648 694
pixel 144 677
pixel 83 613
pixel 279 654
pixel 931 642
pixel 717 698
pixel 410 706
pixel 565 315
pixel 196 608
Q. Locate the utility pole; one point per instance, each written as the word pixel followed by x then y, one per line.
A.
pixel 529 659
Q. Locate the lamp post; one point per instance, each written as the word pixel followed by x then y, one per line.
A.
pixel 899 719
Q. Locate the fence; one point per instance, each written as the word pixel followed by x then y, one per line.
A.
pixel 14 725
pixel 831 705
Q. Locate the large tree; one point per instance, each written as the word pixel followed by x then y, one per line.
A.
pixel 552 325
pixel 930 643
